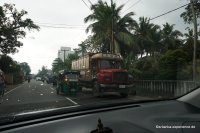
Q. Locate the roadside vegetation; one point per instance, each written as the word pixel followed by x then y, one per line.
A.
pixel 13 26
pixel 150 51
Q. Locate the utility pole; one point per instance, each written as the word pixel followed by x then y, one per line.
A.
pixel 112 47
pixel 195 39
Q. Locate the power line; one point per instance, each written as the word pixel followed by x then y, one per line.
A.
pixel 57 24
pixel 126 2
pixel 90 2
pixel 86 4
pixel 169 12
pixel 132 5
pixel 61 27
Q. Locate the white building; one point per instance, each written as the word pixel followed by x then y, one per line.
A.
pixel 64 52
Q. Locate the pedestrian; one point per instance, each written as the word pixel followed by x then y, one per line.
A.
pixel 2 85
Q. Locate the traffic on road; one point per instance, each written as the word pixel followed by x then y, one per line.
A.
pixel 38 95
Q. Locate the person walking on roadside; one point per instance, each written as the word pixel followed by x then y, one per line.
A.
pixel 2 85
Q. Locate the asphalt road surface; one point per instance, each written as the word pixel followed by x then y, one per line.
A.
pixel 37 95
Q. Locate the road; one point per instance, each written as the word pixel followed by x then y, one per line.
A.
pixel 38 95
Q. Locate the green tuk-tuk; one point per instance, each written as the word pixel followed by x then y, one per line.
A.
pixel 68 82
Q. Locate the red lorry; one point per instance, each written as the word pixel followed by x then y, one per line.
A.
pixel 104 73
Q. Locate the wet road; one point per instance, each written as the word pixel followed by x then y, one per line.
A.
pixel 37 95
pixel 32 96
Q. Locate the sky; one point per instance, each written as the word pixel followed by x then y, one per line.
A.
pixel 41 47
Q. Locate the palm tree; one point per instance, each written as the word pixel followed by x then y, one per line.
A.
pixel 57 65
pixel 170 37
pixel 101 26
pixel 147 36
pixel 82 48
pixel 188 44
pixel 155 40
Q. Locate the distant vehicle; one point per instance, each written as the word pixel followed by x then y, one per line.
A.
pixel 49 79
pixel 104 72
pixel 38 79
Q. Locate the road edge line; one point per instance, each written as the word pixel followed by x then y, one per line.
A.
pixel 71 101
pixel 12 89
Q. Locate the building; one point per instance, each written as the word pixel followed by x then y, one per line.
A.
pixel 64 52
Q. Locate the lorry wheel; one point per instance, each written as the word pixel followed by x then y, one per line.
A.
pixel 124 95
pixel 97 90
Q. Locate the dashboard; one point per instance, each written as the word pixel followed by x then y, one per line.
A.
pixel 152 117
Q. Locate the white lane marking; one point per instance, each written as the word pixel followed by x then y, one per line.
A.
pixel 41 84
pixel 12 90
pixel 52 92
pixel 41 94
pixel 71 101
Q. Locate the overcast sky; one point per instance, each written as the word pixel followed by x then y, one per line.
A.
pixel 40 48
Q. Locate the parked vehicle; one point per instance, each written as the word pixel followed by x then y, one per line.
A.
pixel 104 73
pixel 49 79
pixel 68 82
pixel 52 79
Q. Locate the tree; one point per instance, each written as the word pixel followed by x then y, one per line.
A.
pixel 43 72
pixel 101 28
pixel 172 64
pixel 147 36
pixel 8 65
pixel 25 67
pixel 12 28
pixel 170 37
pixel 68 61
pixel 188 44
pixel 187 14
pixel 57 65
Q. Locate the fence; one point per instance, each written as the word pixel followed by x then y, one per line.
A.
pixel 163 88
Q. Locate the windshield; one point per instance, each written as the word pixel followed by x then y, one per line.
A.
pixel 123 51
pixel 72 76
pixel 106 64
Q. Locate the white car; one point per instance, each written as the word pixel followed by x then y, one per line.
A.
pixel 38 78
